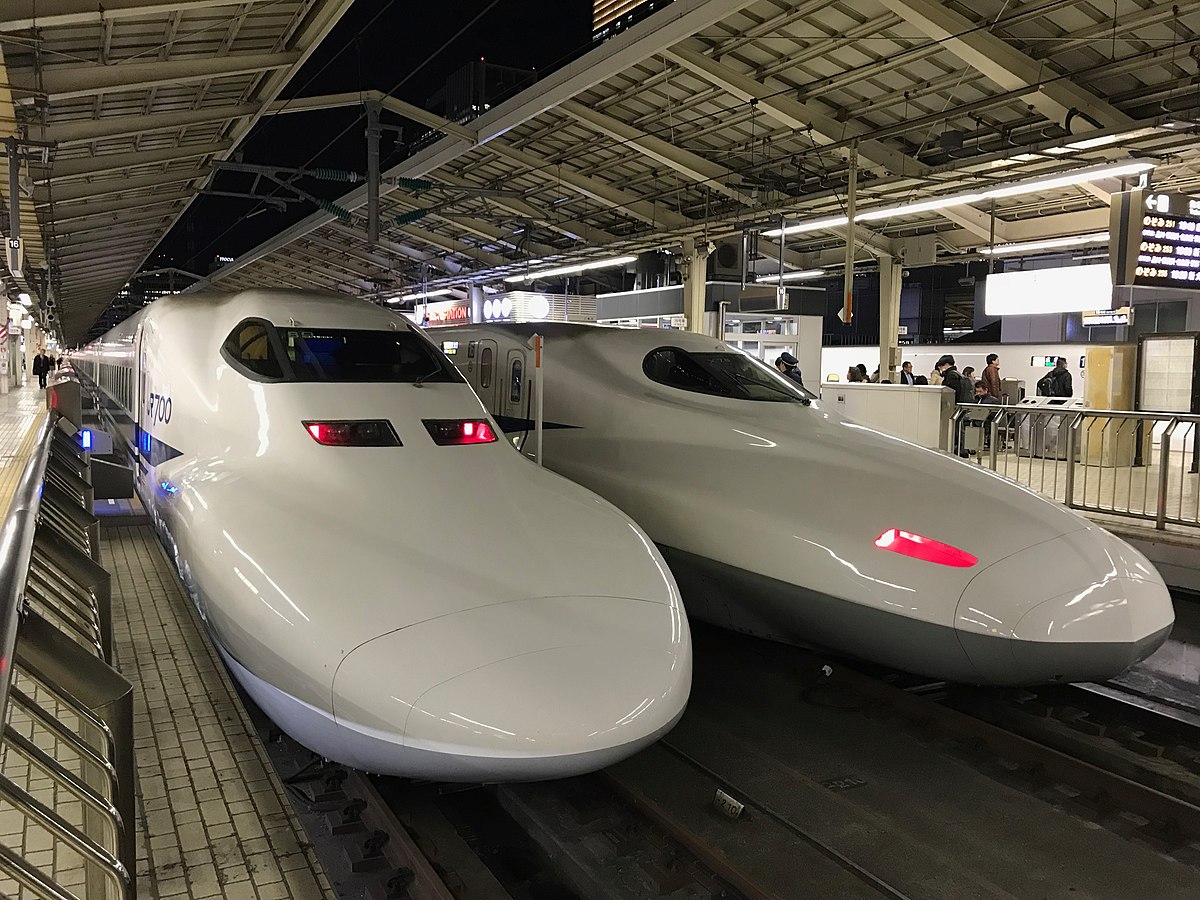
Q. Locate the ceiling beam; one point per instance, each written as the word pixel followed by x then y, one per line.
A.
pixel 77 212
pixel 794 114
pixel 19 15
pixel 84 131
pixel 1050 94
pixel 631 204
pixel 101 244
pixel 455 246
pixel 118 162
pixel 64 82
pixel 574 229
pixel 978 223
pixel 86 190
pixel 450 267
pixel 686 163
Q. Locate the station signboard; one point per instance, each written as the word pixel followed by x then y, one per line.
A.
pixel 1094 317
pixel 1155 239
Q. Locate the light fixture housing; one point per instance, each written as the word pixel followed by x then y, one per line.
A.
pixel 1077 240
pixel 800 275
pixel 421 295
pixel 1016 189
pixel 574 269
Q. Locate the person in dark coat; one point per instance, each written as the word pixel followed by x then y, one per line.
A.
pixel 983 396
pixel 964 391
pixel 40 364
pixel 906 375
pixel 789 367
pixel 1062 385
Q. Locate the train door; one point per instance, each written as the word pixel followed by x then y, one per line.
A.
pixel 486 376
pixel 517 393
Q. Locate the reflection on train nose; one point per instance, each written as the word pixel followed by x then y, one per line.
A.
pixel 529 679
pixel 1096 610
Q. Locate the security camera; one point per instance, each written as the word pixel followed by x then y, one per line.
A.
pixel 712 248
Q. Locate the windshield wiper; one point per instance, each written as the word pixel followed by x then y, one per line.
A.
pixel 420 380
pixel 746 379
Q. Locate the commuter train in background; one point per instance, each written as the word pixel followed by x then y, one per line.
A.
pixel 783 519
pixel 396 587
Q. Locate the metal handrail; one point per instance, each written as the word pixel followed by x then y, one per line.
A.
pixel 16 550
pixel 1092 460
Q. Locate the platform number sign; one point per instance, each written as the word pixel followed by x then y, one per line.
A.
pixel 16 255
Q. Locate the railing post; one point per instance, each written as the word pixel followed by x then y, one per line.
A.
pixel 1072 449
pixel 994 436
pixel 1164 472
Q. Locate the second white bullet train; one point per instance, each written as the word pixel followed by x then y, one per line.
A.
pixel 397 588
pixel 783 519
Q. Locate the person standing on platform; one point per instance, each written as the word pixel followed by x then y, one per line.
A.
pixel 906 375
pixel 1062 385
pixel 39 368
pixel 990 376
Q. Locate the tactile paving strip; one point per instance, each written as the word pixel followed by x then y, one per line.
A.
pixel 215 821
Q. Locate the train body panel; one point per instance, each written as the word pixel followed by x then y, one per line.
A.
pixel 775 516
pixel 334 577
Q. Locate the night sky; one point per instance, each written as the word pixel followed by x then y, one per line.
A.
pixel 377 45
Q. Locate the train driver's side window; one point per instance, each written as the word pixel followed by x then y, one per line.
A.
pixel 249 346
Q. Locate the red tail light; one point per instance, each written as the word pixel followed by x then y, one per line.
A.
pixel 362 433
pixel 450 432
pixel 927 549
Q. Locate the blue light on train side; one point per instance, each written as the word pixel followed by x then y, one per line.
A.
pixel 145 441
pixel 168 488
pixel 85 439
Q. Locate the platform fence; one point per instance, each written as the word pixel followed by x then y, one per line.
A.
pixel 67 807
pixel 1138 465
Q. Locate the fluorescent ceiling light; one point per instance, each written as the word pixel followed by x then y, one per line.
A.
pixel 791 276
pixel 1057 290
pixel 25 299
pixel 1030 186
pixel 421 296
pixel 1078 240
pixel 572 270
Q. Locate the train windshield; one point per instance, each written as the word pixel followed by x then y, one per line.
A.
pixel 733 375
pixel 346 355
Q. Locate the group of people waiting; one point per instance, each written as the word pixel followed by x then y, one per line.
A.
pixel 43 364
pixel 968 388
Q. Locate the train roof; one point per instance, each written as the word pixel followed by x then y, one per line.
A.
pixel 610 335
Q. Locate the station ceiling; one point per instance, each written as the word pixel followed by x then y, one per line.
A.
pixel 705 117
pixel 121 108
pixel 712 114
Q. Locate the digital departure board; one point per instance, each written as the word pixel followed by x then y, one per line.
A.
pixel 1156 240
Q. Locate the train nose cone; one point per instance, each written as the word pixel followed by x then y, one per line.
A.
pixel 1093 607
pixel 538 688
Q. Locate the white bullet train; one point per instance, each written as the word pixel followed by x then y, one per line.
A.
pixel 397 588
pixel 783 519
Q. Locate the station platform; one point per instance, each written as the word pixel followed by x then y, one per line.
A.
pixel 213 817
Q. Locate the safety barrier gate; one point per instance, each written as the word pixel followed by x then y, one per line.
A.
pixel 67 771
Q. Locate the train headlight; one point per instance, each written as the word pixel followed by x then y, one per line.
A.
pixel 918 546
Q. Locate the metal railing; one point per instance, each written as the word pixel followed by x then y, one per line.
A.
pixel 67 714
pixel 1140 465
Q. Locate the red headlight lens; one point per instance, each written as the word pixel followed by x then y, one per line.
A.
pixel 362 433
pixel 451 432
pixel 920 547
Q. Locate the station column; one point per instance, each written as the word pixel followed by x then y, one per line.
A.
pixel 891 276
pixel 695 267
